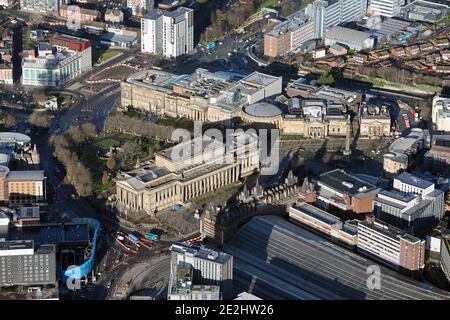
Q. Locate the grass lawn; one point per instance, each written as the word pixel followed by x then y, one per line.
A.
pixel 88 154
pixel 107 143
pixel 63 98
pixel 266 4
pixel 100 57
pixel 117 136
pixel 118 72
pixel 100 187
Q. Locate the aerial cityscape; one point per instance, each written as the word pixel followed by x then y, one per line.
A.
pixel 227 150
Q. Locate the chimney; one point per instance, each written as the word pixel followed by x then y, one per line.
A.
pixel 370 218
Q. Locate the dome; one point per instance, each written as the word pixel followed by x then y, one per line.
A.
pixel 14 137
pixel 4 159
pixel 263 109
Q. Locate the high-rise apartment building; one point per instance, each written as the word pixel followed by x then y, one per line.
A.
pixel 386 8
pixel 170 33
pixel 327 14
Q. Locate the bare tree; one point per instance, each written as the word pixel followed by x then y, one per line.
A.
pixel 105 177
pixel 111 163
pixel 7 120
pixel 40 119
pixel 129 148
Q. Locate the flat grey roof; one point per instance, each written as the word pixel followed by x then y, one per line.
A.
pixel 156 13
pixel 410 179
pixel 201 252
pixel 260 78
pixel 345 34
pixel 59 234
pixel 16 245
pixel 114 37
pixel 317 213
pixel 26 175
pixel 346 183
pixel 405 197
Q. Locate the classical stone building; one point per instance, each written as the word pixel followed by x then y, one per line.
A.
pixel 181 174
pixel 375 121
pixel 315 118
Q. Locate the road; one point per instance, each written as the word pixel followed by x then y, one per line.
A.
pixel 135 279
pixel 93 110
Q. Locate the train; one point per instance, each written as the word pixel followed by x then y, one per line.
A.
pixel 151 236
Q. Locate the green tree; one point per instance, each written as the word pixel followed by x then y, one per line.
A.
pixel 326 79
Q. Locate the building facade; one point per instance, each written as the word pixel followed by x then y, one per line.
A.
pixel 170 33
pixel 438 157
pixel 391 245
pixel 202 95
pixel 288 35
pixel 386 8
pixel 416 213
pixel 6 73
pixel 345 191
pixel 50 69
pixel 445 257
pixel 175 181
pixel 403 150
pixel 140 7
pixel 203 266
pixel 353 39
pixel 318 220
pixel 426 11
pixel 23 263
pixel 83 46
pixel 375 121
pixel 79 14
pixel 327 14
pixel 19 188
pixel 440 114
pixel 43 6
pixel 113 16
